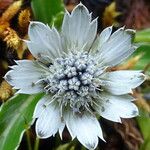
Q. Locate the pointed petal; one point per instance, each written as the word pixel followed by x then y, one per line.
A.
pixel 122 82
pixel 49 121
pixel 101 39
pixel 86 128
pixel 68 117
pixel 44 41
pixel 78 30
pixel 105 35
pixel 114 107
pixel 61 128
pixel 24 75
pixel 116 48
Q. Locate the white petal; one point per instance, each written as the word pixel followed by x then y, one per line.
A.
pixel 104 36
pixel 40 107
pixel 86 128
pixel 114 107
pixel 78 31
pixel 116 48
pixel 61 128
pixel 24 75
pixel 101 39
pixel 44 41
pixel 122 82
pixel 39 52
pixel 68 116
pixel 49 121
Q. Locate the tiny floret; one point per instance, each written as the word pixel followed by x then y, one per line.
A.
pixel 72 68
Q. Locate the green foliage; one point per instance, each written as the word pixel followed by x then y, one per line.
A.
pixel 48 11
pixel 143 36
pixel 15 118
pixel 57 20
pixel 144 124
pixel 67 146
pixel 143 50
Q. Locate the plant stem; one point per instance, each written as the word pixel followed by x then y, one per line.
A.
pixel 37 142
pixel 28 140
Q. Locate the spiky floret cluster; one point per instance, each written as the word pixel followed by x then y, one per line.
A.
pixel 72 69
pixel 74 79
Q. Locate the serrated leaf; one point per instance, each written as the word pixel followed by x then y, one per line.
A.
pixel 15 118
pixel 46 10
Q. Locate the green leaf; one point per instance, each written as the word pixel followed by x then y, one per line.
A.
pixel 57 20
pixel 46 10
pixel 144 124
pixel 143 50
pixel 143 36
pixel 15 118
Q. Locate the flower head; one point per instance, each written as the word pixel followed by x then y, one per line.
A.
pixel 71 68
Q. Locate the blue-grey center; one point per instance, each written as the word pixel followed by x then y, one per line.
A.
pixel 73 79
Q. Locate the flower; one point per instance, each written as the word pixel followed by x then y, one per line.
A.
pixel 72 69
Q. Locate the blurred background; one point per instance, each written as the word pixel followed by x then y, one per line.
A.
pixel 133 134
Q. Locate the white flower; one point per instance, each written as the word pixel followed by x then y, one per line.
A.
pixel 71 67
